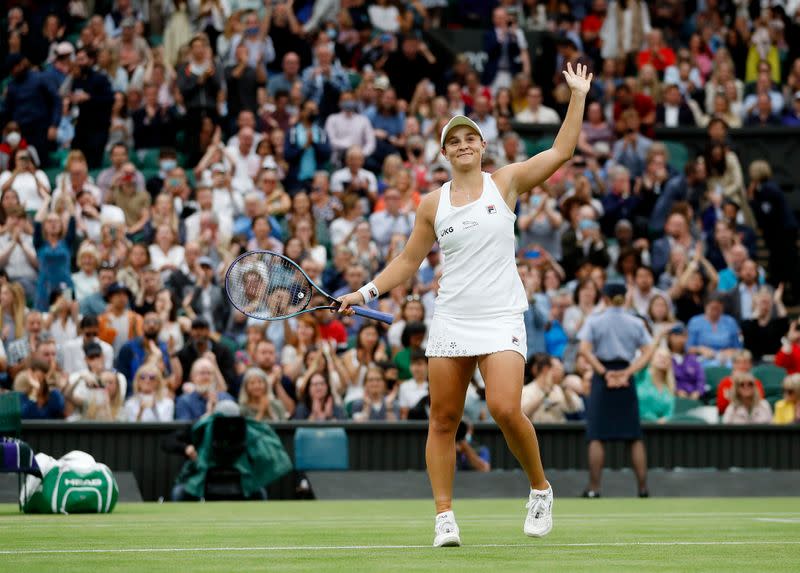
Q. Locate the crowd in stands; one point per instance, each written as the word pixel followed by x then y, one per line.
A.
pixel 145 144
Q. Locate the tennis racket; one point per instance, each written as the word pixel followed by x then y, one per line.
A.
pixel 268 286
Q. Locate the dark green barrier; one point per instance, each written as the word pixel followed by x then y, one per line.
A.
pixel 401 446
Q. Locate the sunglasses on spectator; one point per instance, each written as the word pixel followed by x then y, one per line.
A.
pixel 746 384
pixel 148 377
pixel 413 297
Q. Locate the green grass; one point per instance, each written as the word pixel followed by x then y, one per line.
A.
pixel 589 535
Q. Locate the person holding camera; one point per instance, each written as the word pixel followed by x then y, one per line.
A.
pixel 30 183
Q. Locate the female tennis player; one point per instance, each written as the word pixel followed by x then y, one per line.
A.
pixel 478 312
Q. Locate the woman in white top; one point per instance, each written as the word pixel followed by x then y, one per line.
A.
pixel 165 253
pixel 149 402
pixel 478 318
pixel 86 281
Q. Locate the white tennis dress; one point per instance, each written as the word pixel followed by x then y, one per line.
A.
pixel 481 299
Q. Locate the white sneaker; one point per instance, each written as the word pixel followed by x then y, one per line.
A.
pixel 539 521
pixel 447 534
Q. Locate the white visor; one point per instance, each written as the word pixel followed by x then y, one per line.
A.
pixel 457 121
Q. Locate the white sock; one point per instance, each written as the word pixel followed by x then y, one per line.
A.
pixel 446 515
pixel 541 491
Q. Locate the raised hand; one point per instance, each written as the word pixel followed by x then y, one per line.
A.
pixel 580 80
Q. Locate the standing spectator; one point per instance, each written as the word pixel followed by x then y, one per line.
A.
pixel 674 112
pixel 53 240
pixel 325 81
pixel 91 92
pixel 747 406
pixel 208 388
pixel 625 25
pixel 149 401
pixel 631 149
pixel 776 221
pixel 154 124
pixel 307 147
pixel 243 78
pixel 201 86
pixel 33 103
pixel 348 129
pixel 86 281
pixel 409 65
pixel 507 49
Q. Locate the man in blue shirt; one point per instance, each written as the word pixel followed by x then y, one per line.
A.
pixel 142 349
pixel 33 102
pixel 208 389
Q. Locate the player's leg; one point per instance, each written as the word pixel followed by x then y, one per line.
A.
pixel 597 457
pixel 503 376
pixel 639 463
pixel 448 381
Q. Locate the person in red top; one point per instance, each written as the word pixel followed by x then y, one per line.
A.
pixel 656 53
pixel 742 362
pixel 590 27
pixel 624 99
pixel 330 327
pixel 788 356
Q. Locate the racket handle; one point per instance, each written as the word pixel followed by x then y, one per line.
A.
pixel 373 314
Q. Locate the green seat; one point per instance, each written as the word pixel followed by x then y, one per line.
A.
pixel 714 375
pixel 683 405
pixel 10 415
pixel 156 40
pixel 771 377
pixel 686 418
pixel 534 146
pixel 58 157
pixel 678 155
pixel 146 159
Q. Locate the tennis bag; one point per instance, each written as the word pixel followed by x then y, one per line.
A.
pixel 75 483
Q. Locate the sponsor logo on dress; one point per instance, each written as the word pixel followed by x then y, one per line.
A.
pixel 490 209
pixel 469 224
pixel 446 231
pixel 515 341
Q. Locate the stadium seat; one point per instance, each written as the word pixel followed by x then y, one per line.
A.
pixel 687 418
pixel 321 449
pixel 684 405
pixel 534 146
pixel 678 155
pixel 10 415
pixel 771 377
pixel 714 375
pixel 146 159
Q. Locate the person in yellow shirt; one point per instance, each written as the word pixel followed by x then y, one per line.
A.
pixel 787 411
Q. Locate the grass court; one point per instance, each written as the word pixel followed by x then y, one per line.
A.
pixel 731 534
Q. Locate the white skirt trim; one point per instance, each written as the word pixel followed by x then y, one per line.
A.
pixel 450 336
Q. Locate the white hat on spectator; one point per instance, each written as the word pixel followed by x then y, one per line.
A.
pixel 64 49
pixel 381 83
pixel 219 167
pixel 458 121
pixel 602 148
pixel 269 163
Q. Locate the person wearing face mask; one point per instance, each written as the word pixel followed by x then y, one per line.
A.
pixel 167 161
pixel 33 103
pixel 144 350
pixel 13 141
pixel 307 148
pixel 348 128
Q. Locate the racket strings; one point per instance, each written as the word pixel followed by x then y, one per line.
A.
pixel 266 286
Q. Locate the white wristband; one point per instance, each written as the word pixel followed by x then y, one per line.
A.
pixel 369 291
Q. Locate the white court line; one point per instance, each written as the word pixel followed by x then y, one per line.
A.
pixel 778 519
pixel 533 545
